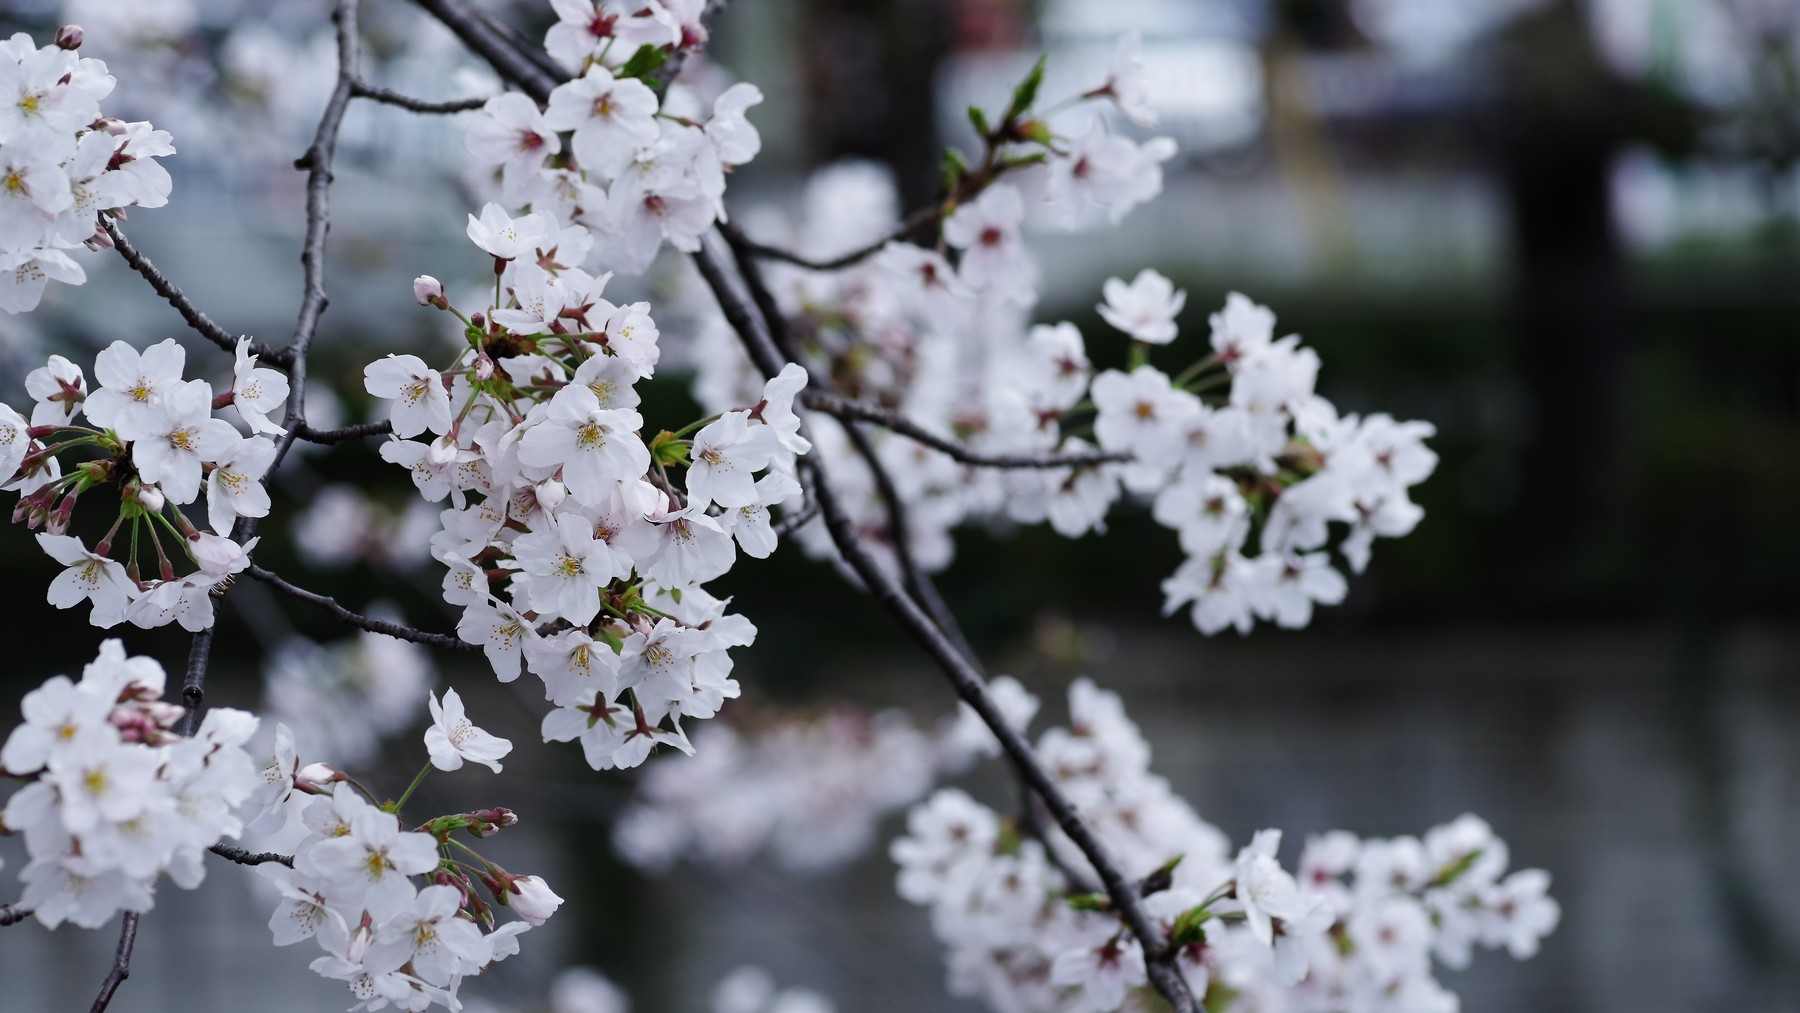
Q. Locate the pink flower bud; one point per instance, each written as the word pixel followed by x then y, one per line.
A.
pixel 429 291
pixel 151 498
pixel 534 901
pixel 484 366
pixel 69 37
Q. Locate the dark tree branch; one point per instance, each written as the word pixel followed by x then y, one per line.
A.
pixel 388 96
pixel 200 322
pixel 918 584
pixel 912 225
pixel 357 619
pixel 847 410
pixel 242 857
pixel 525 47
pixel 12 915
pixel 330 436
pixel 963 671
pixel 121 966
pixel 795 521
pixel 480 37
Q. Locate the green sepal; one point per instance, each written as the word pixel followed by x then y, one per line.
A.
pixel 1090 902
pixel 1026 93
pixel 647 60
pixel 979 121
pixel 955 167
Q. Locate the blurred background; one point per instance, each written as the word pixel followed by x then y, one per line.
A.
pixel 1567 233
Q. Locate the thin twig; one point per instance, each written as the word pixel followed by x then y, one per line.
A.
pixel 846 409
pixel 317 163
pixel 121 966
pixel 913 224
pixel 330 436
pixel 918 584
pixel 200 322
pixel 793 522
pixel 242 857
pixel 388 96
pixel 491 46
pixel 13 915
pixel 357 619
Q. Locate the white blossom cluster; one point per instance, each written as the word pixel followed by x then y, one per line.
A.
pixel 1237 453
pixel 600 557
pixel 1357 927
pixel 114 798
pixel 62 163
pixel 639 171
pixel 159 439
pixel 395 910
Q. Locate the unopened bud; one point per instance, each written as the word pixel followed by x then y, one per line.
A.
pixel 429 291
pixel 442 451
pixel 484 366
pixel 151 498
pixel 551 493
pixel 318 775
pixel 69 37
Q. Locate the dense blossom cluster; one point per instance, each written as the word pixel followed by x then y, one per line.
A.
pixel 396 911
pixel 162 441
pixel 62 163
pixel 1237 453
pixel 579 542
pixel 1356 926
pixel 115 798
pixel 601 557
pixel 639 170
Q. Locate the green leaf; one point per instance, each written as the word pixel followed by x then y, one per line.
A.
pixel 955 168
pixel 978 120
pixel 1190 927
pixel 1090 902
pixel 646 61
pixel 1026 93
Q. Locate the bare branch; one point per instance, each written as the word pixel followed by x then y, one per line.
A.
pixel 200 322
pixel 793 522
pixel 317 163
pixel 846 409
pixel 11 915
pixel 329 436
pixel 387 96
pixel 242 857
pixel 962 670
pixel 481 37
pixel 193 685
pixel 913 224
pixel 121 966
pixel 525 47
pixel 357 619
